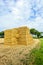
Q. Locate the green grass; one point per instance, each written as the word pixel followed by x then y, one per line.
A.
pixel 41 39
pixel 38 54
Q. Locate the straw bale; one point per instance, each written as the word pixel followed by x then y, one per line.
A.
pixel 19 36
pixel 24 36
pixel 15 33
pixel 14 41
pixel 29 39
pixel 7 37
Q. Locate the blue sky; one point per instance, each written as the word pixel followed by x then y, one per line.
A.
pixel 15 13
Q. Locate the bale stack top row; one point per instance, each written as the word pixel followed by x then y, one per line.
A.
pixel 18 36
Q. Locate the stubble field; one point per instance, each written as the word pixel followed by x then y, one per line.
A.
pixel 18 54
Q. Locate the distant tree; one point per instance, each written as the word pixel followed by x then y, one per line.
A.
pixel 41 35
pixel 38 34
pixel 2 34
pixel 35 32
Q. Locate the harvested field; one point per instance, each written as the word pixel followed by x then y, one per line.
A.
pixel 1 40
pixel 17 54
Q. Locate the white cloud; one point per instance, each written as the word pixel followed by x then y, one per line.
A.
pixel 21 11
pixel 37 24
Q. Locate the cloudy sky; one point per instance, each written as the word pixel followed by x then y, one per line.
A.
pixel 15 13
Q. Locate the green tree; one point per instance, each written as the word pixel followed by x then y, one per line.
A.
pixel 35 32
pixel 2 34
pixel 38 34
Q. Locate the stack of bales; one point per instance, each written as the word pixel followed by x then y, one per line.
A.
pixel 15 36
pixel 29 37
pixel 20 36
pixel 8 37
pixel 24 36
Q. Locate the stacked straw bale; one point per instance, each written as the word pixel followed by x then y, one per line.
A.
pixel 24 36
pixel 15 36
pixel 20 36
pixel 8 37
pixel 29 37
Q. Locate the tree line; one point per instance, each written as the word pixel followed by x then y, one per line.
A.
pixel 36 33
pixel 32 31
pixel 2 34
